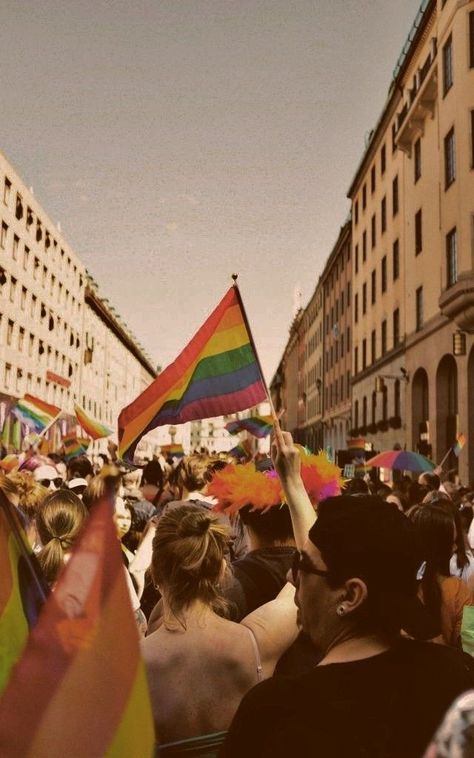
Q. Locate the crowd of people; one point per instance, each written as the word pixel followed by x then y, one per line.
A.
pixel 273 624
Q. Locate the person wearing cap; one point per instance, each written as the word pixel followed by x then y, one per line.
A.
pixel 373 693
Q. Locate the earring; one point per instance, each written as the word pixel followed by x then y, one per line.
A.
pixel 341 610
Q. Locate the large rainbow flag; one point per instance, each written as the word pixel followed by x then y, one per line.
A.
pixel 259 426
pixel 216 374
pixel 93 428
pixel 74 446
pixel 35 413
pixel 80 687
pixel 22 589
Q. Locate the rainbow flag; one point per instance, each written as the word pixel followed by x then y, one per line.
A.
pixel 459 444
pixel 241 451
pixel 80 687
pixel 259 426
pixel 216 374
pixel 175 451
pixel 22 589
pixel 73 446
pixel 35 413
pixel 93 428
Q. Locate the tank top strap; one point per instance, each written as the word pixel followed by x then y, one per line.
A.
pixel 258 660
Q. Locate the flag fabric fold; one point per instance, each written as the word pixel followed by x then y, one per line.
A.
pixel 258 426
pixel 459 444
pixel 216 374
pixel 80 686
pixel 74 446
pixel 35 413
pixel 23 588
pixel 93 428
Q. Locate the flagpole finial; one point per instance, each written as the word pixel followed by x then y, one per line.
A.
pixel 234 278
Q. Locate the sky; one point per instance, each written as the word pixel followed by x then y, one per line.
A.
pixel 180 141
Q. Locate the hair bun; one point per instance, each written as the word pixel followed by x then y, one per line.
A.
pixel 194 524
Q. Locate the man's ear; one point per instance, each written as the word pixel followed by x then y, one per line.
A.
pixel 355 593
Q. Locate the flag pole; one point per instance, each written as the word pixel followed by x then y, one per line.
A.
pixel 252 342
pixel 440 466
pixel 27 555
pixel 48 426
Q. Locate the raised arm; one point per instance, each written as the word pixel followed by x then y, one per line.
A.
pixel 287 463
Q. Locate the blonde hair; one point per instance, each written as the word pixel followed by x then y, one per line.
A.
pixel 188 550
pixel 31 493
pixel 8 486
pixel 59 522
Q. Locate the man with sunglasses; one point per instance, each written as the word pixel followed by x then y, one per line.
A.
pixel 47 475
pixel 373 693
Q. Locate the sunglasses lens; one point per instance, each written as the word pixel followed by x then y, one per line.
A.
pixel 45 482
pixel 58 482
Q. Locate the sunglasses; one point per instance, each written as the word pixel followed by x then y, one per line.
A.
pixel 302 563
pixel 57 482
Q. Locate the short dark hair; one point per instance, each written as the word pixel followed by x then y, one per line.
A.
pixel 80 468
pixel 368 538
pixel 273 524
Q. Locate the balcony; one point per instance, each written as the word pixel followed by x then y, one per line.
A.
pixel 457 302
pixel 420 103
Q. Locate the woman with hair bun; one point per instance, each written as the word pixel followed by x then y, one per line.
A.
pixel 58 522
pixel 200 664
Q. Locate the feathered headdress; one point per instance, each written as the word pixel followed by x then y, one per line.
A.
pixel 238 485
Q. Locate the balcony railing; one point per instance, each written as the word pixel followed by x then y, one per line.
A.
pixel 419 103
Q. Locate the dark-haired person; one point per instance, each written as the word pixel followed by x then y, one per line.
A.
pixel 445 596
pixel 199 664
pixel 373 693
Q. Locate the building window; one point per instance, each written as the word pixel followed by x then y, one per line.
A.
pixel 364 197
pixel 356 308
pixel 3 235
pixel 356 258
pixel 374 287
pixel 21 339
pixel 384 274
pixel 396 327
pixel 356 212
pixel 471 39
pixel 23 298
pixel 384 337
pixel 16 242
pixel 364 299
pixel 356 360
pixel 383 215
pixel 396 260
pixel 396 398
pixel 7 375
pixel 33 306
pixel 448 65
pixel 451 258
pixel 395 196
pixel 9 332
pixel 419 309
pixel 394 135
pixel 372 180
pixel 372 346
pixel 348 294
pixel 7 190
pixel 364 354
pixel 12 289
pixel 449 159
pixel 383 160
pixel 374 407
pixel 348 339
pixel 31 343
pixel 418 232
pixel 417 159
pixel 364 246
pixel 364 410
pixel 26 257
pixel 373 231
pixel 472 139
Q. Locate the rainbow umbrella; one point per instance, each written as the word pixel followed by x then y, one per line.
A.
pixel 405 460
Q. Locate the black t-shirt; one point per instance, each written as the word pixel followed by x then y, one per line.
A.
pixel 257 578
pixel 387 706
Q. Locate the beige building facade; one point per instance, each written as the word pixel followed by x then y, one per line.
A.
pixel 59 340
pixel 413 246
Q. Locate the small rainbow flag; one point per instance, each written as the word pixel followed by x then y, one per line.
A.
pixel 459 444
pixel 259 426
pixel 35 413
pixel 216 374
pixel 241 451
pixel 22 588
pixel 73 446
pixel 93 428
pixel 173 451
pixel 80 688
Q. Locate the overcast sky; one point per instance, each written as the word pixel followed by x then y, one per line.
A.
pixel 178 141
